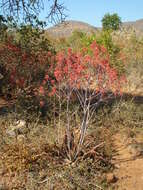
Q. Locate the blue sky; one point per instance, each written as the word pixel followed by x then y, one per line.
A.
pixel 92 11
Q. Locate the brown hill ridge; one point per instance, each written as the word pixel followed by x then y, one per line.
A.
pixel 137 25
pixel 66 28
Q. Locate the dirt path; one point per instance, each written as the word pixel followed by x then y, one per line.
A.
pixel 128 170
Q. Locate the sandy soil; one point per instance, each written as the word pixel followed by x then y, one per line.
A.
pixel 128 169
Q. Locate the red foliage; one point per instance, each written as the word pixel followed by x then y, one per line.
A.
pixel 24 66
pixel 87 70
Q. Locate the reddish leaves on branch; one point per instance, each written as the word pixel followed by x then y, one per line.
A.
pixel 22 65
pixel 87 69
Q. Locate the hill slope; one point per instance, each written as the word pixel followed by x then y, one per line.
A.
pixel 66 28
pixel 137 25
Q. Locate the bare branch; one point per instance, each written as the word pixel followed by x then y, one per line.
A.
pixel 57 12
pixel 27 8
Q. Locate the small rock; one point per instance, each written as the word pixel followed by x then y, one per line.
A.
pixel 10 133
pixel 18 128
pixel 111 178
pixel 20 123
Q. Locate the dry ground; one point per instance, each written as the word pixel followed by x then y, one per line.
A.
pixel 128 167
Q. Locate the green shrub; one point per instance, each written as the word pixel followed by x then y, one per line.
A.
pixel 111 22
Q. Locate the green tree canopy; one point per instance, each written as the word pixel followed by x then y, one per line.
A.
pixel 111 22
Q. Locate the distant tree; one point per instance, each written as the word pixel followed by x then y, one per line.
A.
pixel 111 21
pixel 27 8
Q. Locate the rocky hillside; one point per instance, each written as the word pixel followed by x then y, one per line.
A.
pixel 137 25
pixel 65 29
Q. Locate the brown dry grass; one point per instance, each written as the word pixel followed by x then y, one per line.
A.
pixel 36 161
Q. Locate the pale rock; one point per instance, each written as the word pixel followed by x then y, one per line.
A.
pixel 17 128
pixel 10 133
